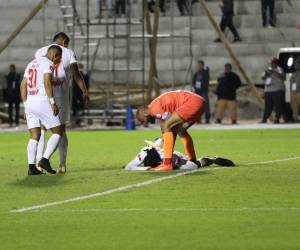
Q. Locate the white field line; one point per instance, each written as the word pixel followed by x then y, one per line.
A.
pixel 200 210
pixel 131 186
pixel 273 161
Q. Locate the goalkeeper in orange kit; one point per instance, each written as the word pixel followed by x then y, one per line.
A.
pixel 177 111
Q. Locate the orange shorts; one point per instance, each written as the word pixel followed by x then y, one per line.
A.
pixel 192 109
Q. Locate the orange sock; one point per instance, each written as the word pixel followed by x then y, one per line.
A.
pixel 169 141
pixel 188 144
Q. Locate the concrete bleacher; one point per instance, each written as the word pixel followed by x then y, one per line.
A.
pixel 258 45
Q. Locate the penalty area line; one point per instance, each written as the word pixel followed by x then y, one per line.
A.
pixel 131 186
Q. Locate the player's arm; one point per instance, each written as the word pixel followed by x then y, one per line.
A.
pixel 23 89
pixel 136 163
pixel 49 92
pixel 80 82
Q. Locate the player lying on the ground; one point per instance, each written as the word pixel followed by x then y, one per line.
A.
pixel 151 156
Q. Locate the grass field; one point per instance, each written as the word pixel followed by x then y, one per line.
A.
pixel 246 207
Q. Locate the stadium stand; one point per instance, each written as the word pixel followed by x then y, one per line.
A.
pixel 259 44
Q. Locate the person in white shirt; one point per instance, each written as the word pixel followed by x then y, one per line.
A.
pixel 63 73
pixel 37 96
pixel 274 92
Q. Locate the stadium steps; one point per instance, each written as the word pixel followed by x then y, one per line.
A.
pixel 258 42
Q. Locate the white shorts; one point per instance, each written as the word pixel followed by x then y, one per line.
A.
pixel 38 109
pixel 64 110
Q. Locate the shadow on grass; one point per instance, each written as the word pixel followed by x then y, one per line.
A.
pixel 40 181
pixel 166 173
pixel 94 169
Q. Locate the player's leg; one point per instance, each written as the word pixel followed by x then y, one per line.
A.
pixel 63 150
pixel 169 130
pixel 31 150
pixel 41 144
pixel 187 142
pixel 33 125
pixel 52 122
pixel 64 117
pixel 50 149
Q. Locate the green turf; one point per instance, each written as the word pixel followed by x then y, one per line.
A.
pixel 165 215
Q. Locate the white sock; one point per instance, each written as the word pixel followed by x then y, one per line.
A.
pixel 189 165
pixel 63 149
pixel 41 146
pixel 31 151
pixel 51 145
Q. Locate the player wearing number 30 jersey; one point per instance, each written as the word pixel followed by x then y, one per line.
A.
pixel 37 95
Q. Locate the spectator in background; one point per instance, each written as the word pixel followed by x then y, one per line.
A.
pixel 151 6
pixel 77 101
pixel 201 84
pixel 183 7
pixel 120 8
pixel 274 91
pixel 295 91
pixel 108 7
pixel 227 8
pixel 228 83
pixel 265 6
pixel 13 93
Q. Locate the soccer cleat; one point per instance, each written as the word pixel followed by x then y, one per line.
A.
pixel 206 161
pixel 223 162
pixel 32 170
pixel 62 169
pixel 163 167
pixel 45 164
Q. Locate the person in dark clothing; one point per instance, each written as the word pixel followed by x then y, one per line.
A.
pixel 120 7
pixel 200 84
pixel 184 7
pixel 77 101
pixel 265 6
pixel 151 5
pixel 228 83
pixel 13 93
pixel 227 8
pixel 274 91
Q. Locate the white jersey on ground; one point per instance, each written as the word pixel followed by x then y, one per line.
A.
pixel 34 73
pixel 179 160
pixel 62 74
